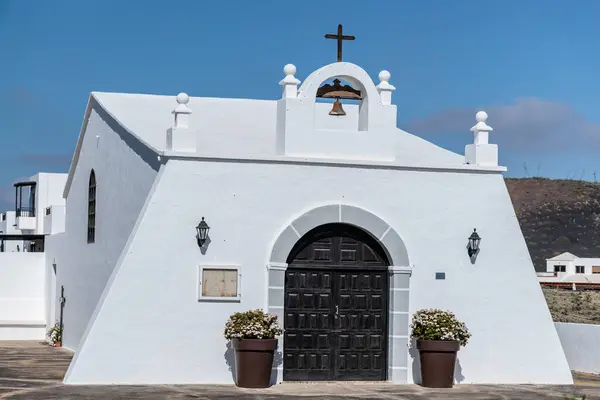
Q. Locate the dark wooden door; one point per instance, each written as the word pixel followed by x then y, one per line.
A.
pixel 335 317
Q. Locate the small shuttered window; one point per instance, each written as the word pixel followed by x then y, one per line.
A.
pixel 91 229
pixel 595 270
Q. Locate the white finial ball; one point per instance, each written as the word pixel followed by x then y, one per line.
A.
pixel 384 76
pixel 289 69
pixel 481 116
pixel 183 98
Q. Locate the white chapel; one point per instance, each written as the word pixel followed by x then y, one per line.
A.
pixel 314 210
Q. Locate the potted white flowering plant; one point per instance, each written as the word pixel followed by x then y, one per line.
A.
pixel 253 338
pixel 439 336
pixel 55 335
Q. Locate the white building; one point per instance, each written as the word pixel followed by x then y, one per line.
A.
pixel 567 269
pixel 314 217
pixel 24 283
pixel 39 204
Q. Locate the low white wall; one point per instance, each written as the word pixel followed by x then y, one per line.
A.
pixel 580 344
pixel 54 250
pixel 22 286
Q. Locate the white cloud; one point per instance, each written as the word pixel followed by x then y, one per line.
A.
pixel 528 123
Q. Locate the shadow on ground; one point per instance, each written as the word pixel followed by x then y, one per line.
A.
pixel 32 371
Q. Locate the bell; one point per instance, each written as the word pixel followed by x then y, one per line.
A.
pixel 337 108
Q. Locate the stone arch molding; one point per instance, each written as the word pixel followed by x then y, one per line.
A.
pixel 358 77
pixel 340 213
pixel 400 271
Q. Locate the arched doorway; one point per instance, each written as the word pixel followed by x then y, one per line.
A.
pixel 336 306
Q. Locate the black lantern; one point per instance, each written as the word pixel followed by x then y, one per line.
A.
pixel 473 247
pixel 202 232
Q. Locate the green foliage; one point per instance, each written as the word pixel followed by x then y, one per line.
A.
pixel 55 334
pixel 436 324
pixel 252 324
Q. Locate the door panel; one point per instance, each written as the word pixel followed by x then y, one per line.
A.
pixel 335 315
pixel 361 324
pixel 308 322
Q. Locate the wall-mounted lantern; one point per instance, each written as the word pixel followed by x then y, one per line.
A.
pixel 473 246
pixel 202 232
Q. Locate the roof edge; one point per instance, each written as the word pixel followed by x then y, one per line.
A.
pixel 566 256
pixel 88 110
pixel 75 159
pixel 278 159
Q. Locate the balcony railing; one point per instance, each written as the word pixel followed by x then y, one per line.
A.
pixel 25 212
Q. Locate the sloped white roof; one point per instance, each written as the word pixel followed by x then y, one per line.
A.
pixel 566 256
pixel 240 126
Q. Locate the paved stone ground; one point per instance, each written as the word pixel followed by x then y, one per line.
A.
pixel 31 371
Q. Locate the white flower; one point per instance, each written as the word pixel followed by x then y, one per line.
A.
pixel 253 324
pixel 435 324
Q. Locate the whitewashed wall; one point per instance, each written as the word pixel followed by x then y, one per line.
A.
pixel 571 266
pixel 22 296
pixel 581 343
pixel 8 227
pixel 54 248
pixel 247 205
pixel 125 171
pixel 55 221
pixel 48 192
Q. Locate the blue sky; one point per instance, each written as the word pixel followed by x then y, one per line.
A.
pixel 532 65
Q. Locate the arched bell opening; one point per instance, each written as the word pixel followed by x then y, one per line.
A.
pixel 338 92
pixel 355 77
pixel 345 101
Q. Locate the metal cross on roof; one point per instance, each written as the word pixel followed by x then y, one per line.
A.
pixel 340 37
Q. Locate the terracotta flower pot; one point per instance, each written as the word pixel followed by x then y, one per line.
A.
pixel 438 358
pixel 253 361
pixel 57 344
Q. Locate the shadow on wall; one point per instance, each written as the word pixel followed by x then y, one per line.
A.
pixel 204 246
pixel 140 149
pixel 229 356
pixel 230 360
pixel 458 375
pixel 277 362
pixel 416 365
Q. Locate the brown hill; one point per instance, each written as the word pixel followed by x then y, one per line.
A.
pixel 557 216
